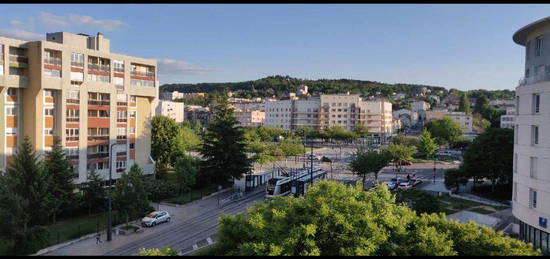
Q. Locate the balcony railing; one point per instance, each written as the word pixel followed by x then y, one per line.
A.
pixel 118 69
pixel 119 87
pixel 120 137
pixel 98 155
pixel 71 138
pixel 73 101
pixel 120 170
pixel 99 103
pixel 122 120
pixel 122 103
pixel 94 138
pixel 77 64
pixel 73 119
pixel 52 61
pixel 121 153
pixel 98 67
pixel 144 74
pixel 534 79
pixel 19 59
pixel 70 157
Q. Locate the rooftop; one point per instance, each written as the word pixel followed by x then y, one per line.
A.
pixel 520 37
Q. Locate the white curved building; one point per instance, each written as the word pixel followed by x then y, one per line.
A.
pixel 531 179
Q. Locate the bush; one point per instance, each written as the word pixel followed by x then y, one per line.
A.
pixel 420 201
pixel 161 189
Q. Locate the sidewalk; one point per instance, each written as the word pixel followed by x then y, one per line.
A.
pixel 87 245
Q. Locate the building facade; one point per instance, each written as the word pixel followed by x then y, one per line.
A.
pixel 465 120
pixel 326 111
pixel 172 110
pixel 250 117
pixel 508 120
pixel 197 113
pixel 73 87
pixel 531 178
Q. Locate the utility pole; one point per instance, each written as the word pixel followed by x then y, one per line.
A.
pixel 109 218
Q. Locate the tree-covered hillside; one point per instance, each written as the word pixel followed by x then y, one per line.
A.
pixel 280 85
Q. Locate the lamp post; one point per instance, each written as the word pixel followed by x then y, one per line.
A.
pixel 109 221
pixel 434 166
pixel 311 164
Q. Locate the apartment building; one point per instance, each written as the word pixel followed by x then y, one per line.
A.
pixel 250 117
pixel 326 111
pixel 465 120
pixel 531 178
pixel 173 110
pixel 72 86
pixel 197 113
pixel 508 120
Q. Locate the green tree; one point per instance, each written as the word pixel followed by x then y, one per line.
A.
pixel 60 175
pixel 186 140
pixel 164 134
pixel 426 144
pixel 444 130
pixel 332 219
pixel 94 195
pixel 420 201
pixel 364 163
pixel 223 148
pixel 157 252
pixel 490 156
pixel 186 173
pixel 399 153
pixel 464 105
pixel 130 194
pixel 361 131
pixel 26 173
pixel 404 140
pixel 454 177
pixel 482 102
pixel 339 133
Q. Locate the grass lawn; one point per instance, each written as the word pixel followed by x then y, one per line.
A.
pixel 76 227
pixel 192 195
pixel 453 205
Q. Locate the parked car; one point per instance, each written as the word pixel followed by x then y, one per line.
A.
pixel 314 157
pixel 415 182
pixel 405 163
pixel 155 218
pixel 404 186
pixel 392 184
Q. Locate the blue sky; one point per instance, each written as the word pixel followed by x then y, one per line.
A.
pixel 455 46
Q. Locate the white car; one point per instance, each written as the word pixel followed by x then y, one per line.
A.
pixel 314 157
pixel 404 186
pixel 155 218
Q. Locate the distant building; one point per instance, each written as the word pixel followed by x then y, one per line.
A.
pixel 173 110
pixel 508 120
pixel 250 117
pixel 177 95
pixel 194 113
pixel 303 90
pixel 399 96
pixel 256 104
pixel 407 118
pixel 420 106
pixel 465 121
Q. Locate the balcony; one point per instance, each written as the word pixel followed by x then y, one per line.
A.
pixel 143 74
pixel 98 155
pixel 121 137
pixel 19 59
pixel 98 67
pixel 121 153
pixel 118 69
pixel 534 79
pixel 72 157
pixel 52 61
pixel 96 138
pixel 122 103
pixel 72 119
pixel 73 138
pixel 75 101
pixel 124 120
pixel 77 64
pixel 119 87
pixel 120 170
pixel 99 103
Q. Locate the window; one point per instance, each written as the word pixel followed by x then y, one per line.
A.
pixel 138 82
pixel 517 105
pixel 73 95
pixel 527 49
pixel 536 103
pixel 72 134
pixel 120 164
pixel 515 191
pixel 48 93
pixel 132 130
pixel 132 98
pixel 516 134
pixel 515 163
pixel 12 91
pixel 533 167
pixel 92 113
pixel 118 66
pixel 48 132
pixel 52 72
pixel 48 111
pixel 538 46
pixel 71 151
pixel 77 60
pixel 99 78
pixel 11 111
pixel 532 198
pixel 118 80
pixel 534 135
pixel 77 76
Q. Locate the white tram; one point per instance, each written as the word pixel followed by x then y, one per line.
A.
pixel 294 183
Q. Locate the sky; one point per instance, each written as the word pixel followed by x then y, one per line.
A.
pixel 450 45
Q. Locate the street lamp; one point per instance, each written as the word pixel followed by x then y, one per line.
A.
pixel 435 157
pixel 109 221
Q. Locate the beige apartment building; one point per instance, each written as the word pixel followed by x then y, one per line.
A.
pixel 172 110
pixel 72 86
pixel 326 111
pixel 465 120
pixel 250 117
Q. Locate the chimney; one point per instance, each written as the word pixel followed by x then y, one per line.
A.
pixel 98 39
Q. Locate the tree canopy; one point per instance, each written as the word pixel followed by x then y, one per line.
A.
pixel 426 144
pixel 364 163
pixel 445 130
pixel 332 219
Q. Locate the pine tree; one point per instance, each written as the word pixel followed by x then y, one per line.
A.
pixel 29 182
pixel 60 180
pixel 130 193
pixel 94 193
pixel 223 147
pixel 464 105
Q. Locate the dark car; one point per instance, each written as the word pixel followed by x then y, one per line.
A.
pixel 405 163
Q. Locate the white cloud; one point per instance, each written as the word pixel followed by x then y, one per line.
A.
pixel 59 22
pixel 168 66
pixel 21 34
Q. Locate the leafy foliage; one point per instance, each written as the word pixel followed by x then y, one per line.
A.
pixel 464 105
pixel 421 201
pixel 426 144
pixel 130 194
pixel 94 195
pixel 364 163
pixel 444 130
pixel 157 252
pixel 398 152
pixel 186 173
pixel 454 177
pixel 164 134
pixel 332 219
